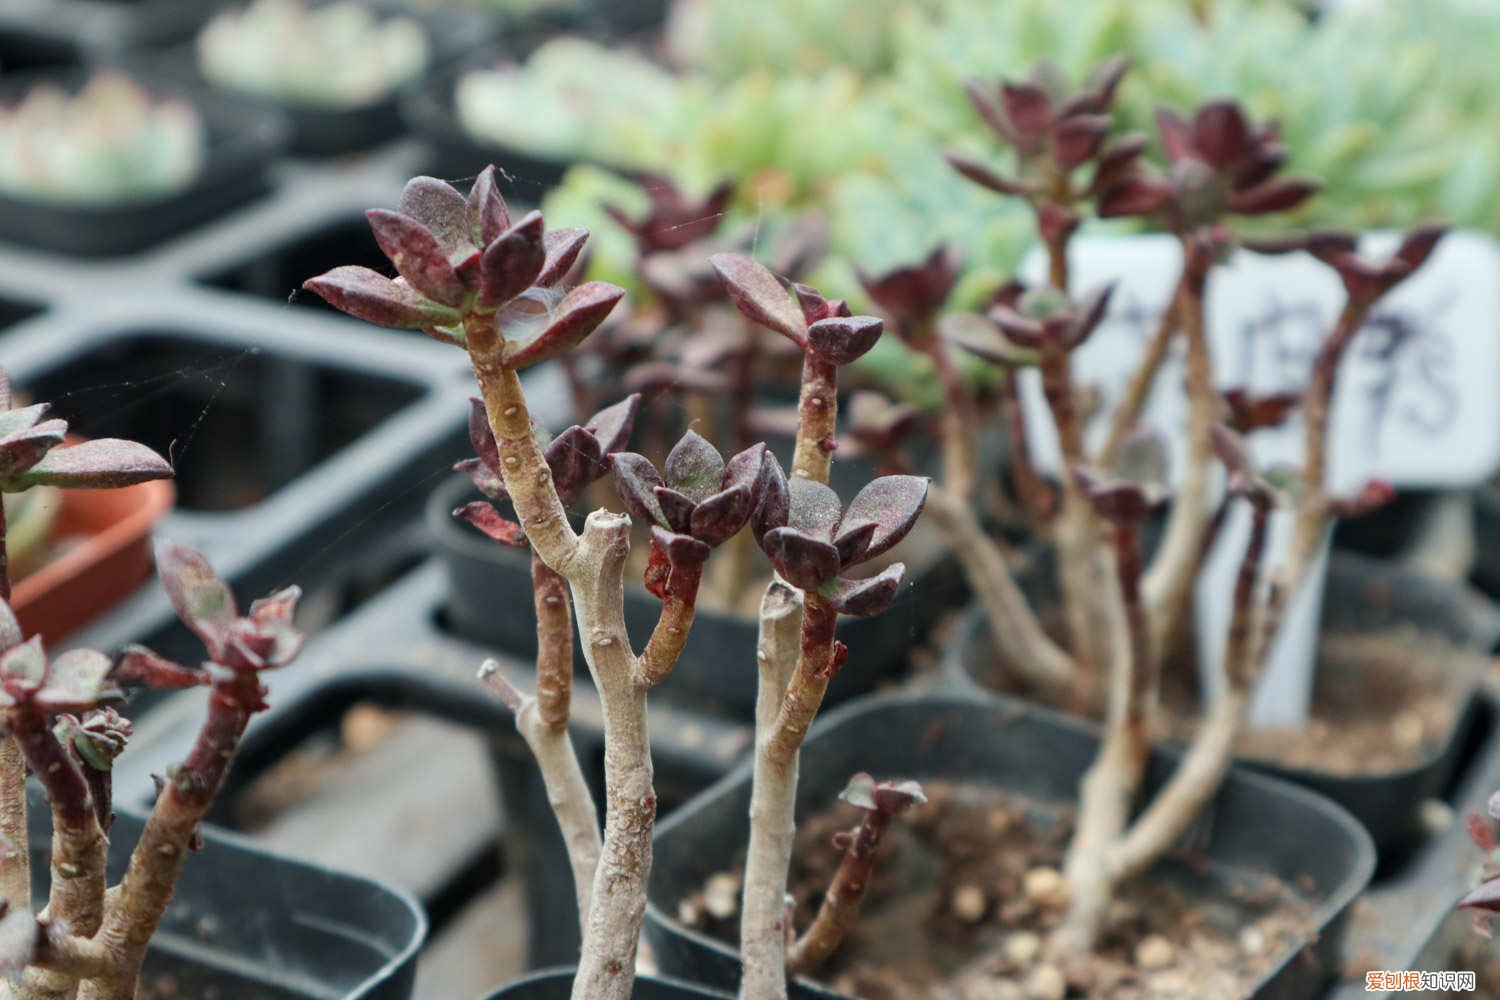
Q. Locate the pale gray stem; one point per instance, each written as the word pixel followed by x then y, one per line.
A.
pixel 15 848
pixel 1018 634
pixel 765 918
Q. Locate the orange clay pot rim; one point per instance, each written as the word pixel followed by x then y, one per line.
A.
pixel 156 499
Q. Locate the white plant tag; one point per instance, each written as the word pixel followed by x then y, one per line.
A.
pixel 1417 402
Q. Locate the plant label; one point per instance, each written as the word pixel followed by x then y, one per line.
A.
pixel 1417 401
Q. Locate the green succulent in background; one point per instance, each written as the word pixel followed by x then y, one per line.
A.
pixel 110 142
pixel 29 517
pixel 729 38
pixel 339 55
pixel 509 10
pixel 575 99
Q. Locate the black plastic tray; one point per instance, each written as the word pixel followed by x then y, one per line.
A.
pixel 242 142
pixel 245 924
pixel 1364 593
pixel 1257 826
pixel 53 32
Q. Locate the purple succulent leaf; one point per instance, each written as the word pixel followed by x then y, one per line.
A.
pixel 1118 501
pixel 636 480
pixel 442 211
pixel 853 540
pixel 576 461
pixel 979 337
pixel 203 601
pixel 815 509
pixel 482 436
pixel 102 464
pixel 892 502
pixel 676 508
pixel 611 426
pixel 1279 194
pixel 24 449
pixel 1134 195
pixel 722 515
pixel 1078 139
pixel 815 307
pixel 578 315
pixel 982 175
pixel 141 667
pixel 803 561
pixel 756 293
pixel 860 792
pixel 489 521
pixel 485 479
pixel 868 597
pixel 75 682
pixel 895 797
pixel 1486 896
pixel 562 249
pixel 374 298
pixel 1417 245
pixel 1220 133
pixel 682 551
pixel 773 499
pixel 1029 110
pixel 985 99
pixel 745 469
pixel 1090 314
pixel 14 421
pixel 512 262
pixel 694 467
pixel 842 340
pixel 486 212
pixel 418 256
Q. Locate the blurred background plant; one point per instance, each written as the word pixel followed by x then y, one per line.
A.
pixel 110 142
pixel 336 55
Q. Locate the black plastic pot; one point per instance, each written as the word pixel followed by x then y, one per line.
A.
pixel 557 984
pixel 248 925
pixel 53 32
pixel 430 114
pixel 321 131
pixel 1362 594
pixel 1256 827
pixel 242 142
pixel 490 600
pixel 1486 573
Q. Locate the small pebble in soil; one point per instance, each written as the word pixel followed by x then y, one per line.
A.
pixel 1408 730
pixel 969 903
pixel 1154 952
pixel 1022 948
pixel 1252 942
pixel 1046 983
pixel 1436 815
pixel 1046 887
pixel 721 895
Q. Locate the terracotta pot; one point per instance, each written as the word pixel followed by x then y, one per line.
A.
pixel 111 561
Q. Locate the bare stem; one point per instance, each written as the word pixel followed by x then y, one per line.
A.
pixel 1034 493
pixel 960 418
pixel 764 923
pixel 1128 413
pixel 1018 634
pixel 842 901
pixel 1169 582
pixel 668 638
pixel 15 861
pixel 554 645
pixel 817 418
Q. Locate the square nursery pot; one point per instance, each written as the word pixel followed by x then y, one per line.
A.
pixel 1256 827
pixel 490 600
pixel 557 984
pixel 296 442
pixel 430 114
pixel 325 131
pixel 1362 594
pixel 108 533
pixel 248 925
pixel 53 32
pixel 242 143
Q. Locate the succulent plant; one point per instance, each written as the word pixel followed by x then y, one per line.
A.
pixel 110 142
pixel 336 55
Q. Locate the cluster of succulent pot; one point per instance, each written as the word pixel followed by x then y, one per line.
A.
pixel 111 141
pixel 337 55
pixel 61 723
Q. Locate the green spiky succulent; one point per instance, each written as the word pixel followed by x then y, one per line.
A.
pixel 339 55
pixel 110 142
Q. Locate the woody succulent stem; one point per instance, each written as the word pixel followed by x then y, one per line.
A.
pixel 1128 414
pixel 817 418
pixel 960 421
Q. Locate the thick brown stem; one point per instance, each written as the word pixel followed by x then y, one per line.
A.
pixel 817 418
pixel 15 861
pixel 554 645
pixel 1169 583
pixel 765 923
pixel 818 658
pixel 1034 493
pixel 1142 380
pixel 670 634
pixel 1018 634
pixel 133 912
pixel 841 903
